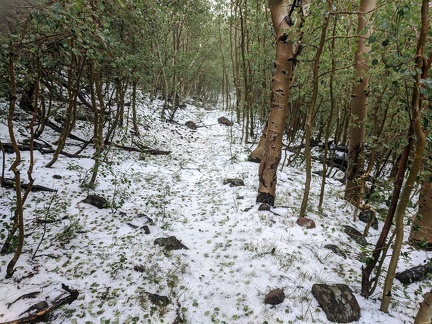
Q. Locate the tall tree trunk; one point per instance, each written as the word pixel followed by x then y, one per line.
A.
pixel 19 217
pixel 95 91
pixel 421 229
pixel 309 118
pixel 285 32
pixel 359 104
pixel 244 36
pixel 330 117
pixel 369 284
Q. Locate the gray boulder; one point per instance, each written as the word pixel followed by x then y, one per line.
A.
pixel 170 243
pixel 337 302
pixel 356 235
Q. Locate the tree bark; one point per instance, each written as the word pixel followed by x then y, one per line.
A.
pixel 421 230
pixel 312 105
pixel 359 103
pixel 420 145
pixel 285 57
pixel 424 314
pixel 19 213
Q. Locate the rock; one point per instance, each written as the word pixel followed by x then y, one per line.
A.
pixel 414 274
pixel 365 216
pixel 190 124
pixel 337 250
pixel 274 297
pixel 146 219
pixel 234 182
pixel 264 207
pixel 146 229
pixel 225 121
pixel 139 268
pixel 306 222
pixel 97 201
pixel 57 176
pixel 158 300
pixel 170 243
pixel 356 235
pixel 338 302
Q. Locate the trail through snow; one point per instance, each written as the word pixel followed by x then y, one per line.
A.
pixel 236 254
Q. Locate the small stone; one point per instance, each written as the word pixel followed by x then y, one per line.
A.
pixel 365 216
pixel 234 182
pixel 139 268
pixel 190 124
pixel 146 229
pixel 264 207
pixel 225 121
pixel 57 176
pixel 97 201
pixel 306 222
pixel 158 300
pixel 356 235
pixel 336 249
pixel 146 219
pixel 170 243
pixel 274 297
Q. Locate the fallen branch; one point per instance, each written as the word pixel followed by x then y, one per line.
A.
pixel 10 183
pixel 8 147
pixel 71 155
pixel 25 296
pixel 147 150
pixel 41 313
pixel 60 129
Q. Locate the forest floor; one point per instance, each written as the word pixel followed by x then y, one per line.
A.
pixel 235 254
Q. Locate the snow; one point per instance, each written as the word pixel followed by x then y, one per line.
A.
pixel 236 254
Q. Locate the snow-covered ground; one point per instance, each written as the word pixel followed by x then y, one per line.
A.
pixel 236 254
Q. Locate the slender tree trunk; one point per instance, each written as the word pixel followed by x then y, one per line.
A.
pixel 330 117
pixel 368 284
pixel 244 35
pixel 359 104
pixel 285 59
pixel 134 108
pixel 315 72
pixel 98 124
pixel 420 145
pixel 78 64
pixel 19 213
pixel 421 229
